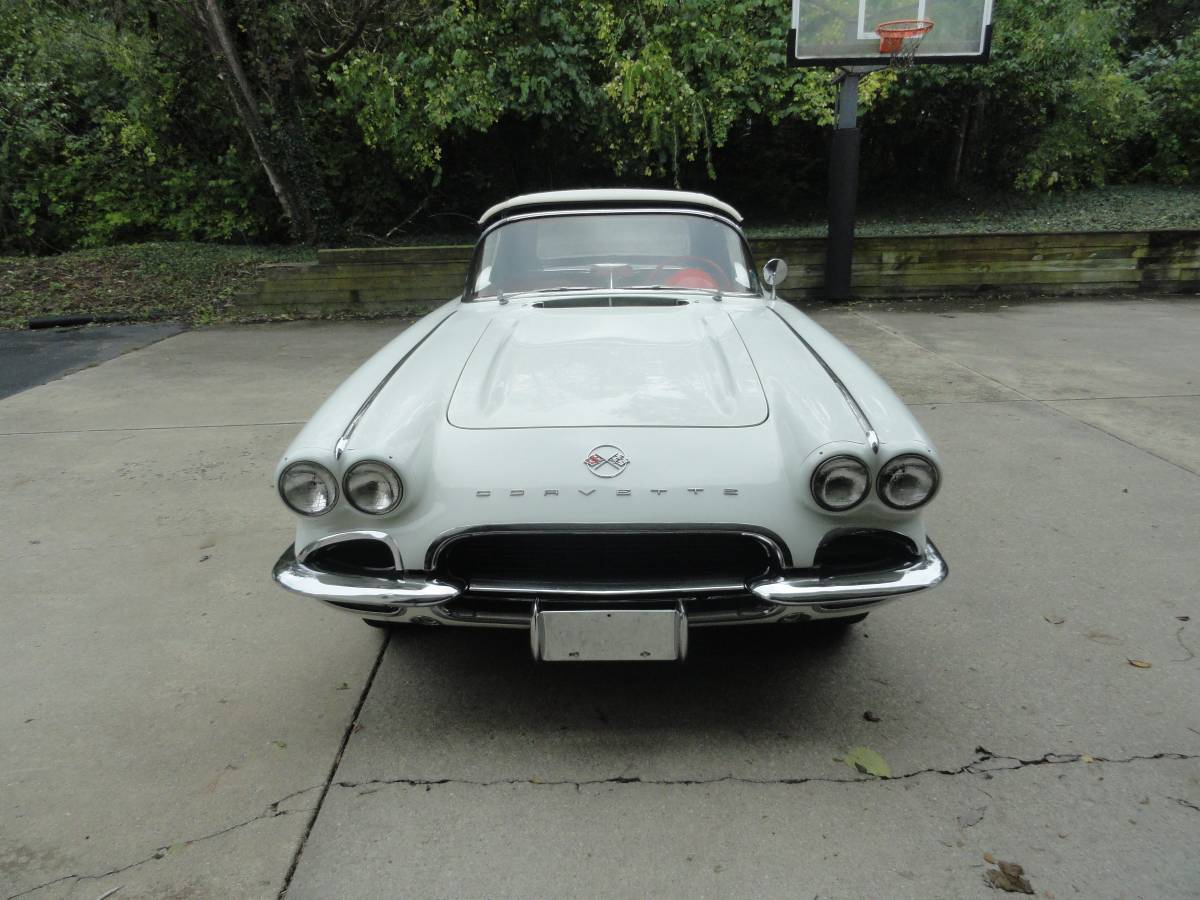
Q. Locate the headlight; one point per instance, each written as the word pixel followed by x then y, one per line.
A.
pixel 308 488
pixel 908 482
pixel 373 487
pixel 840 483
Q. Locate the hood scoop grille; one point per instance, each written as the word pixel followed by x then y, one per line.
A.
pixel 601 302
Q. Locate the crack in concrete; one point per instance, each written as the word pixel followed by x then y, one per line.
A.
pixel 977 766
pixel 1186 649
pixel 271 811
pixel 351 726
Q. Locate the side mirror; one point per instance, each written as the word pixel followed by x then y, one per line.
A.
pixel 774 272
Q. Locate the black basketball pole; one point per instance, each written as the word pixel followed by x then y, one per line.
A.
pixel 843 190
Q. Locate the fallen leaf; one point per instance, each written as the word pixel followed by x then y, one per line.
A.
pixel 870 716
pixel 1101 638
pixel 1087 759
pixel 971 817
pixel 1184 618
pixel 867 761
pixel 282 745
pixel 1008 876
pixel 1054 620
pixel 988 858
pixel 1139 663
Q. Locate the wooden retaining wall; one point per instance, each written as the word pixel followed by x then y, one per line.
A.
pixel 408 279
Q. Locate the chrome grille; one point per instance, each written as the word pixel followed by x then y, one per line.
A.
pixel 629 562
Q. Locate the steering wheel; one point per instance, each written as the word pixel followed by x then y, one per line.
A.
pixel 696 268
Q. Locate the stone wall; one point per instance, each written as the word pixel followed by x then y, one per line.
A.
pixel 411 279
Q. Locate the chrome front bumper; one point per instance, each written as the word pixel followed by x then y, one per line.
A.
pixel 786 598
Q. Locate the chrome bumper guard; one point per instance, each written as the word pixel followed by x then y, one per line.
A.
pixel 854 590
pixel 823 596
pixel 360 593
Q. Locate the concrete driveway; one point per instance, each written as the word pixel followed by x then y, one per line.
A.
pixel 174 726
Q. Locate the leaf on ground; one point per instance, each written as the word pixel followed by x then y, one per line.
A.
pixel 1008 876
pixel 282 745
pixel 988 858
pixel 1101 638
pixel 1054 620
pixel 1087 758
pixel 870 716
pixel 1139 663
pixel 867 761
pixel 971 817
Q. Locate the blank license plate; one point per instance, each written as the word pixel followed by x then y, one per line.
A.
pixel 577 635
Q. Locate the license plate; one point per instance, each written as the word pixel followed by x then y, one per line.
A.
pixel 579 635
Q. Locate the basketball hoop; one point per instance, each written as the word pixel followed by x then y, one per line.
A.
pixel 900 38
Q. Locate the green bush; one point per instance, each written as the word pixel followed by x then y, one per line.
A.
pixel 1171 80
pixel 117 125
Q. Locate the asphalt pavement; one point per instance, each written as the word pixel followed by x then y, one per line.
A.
pixel 172 725
pixel 30 358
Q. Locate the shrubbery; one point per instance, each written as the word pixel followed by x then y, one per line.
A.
pixel 119 122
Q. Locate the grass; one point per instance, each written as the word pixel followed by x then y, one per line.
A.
pixel 183 281
pixel 193 283
pixel 1130 207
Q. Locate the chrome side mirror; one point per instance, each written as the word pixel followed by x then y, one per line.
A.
pixel 774 272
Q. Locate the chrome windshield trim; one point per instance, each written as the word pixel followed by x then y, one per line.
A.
pixel 609 211
pixel 361 535
pixel 864 423
pixel 344 441
pixel 650 291
pixel 469 290
pixel 833 590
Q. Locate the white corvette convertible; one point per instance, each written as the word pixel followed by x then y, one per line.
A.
pixel 615 434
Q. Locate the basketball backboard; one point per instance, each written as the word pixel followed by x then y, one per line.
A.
pixel 842 32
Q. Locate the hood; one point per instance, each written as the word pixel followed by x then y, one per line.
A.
pixel 541 367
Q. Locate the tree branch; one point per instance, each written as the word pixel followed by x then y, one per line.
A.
pixel 327 59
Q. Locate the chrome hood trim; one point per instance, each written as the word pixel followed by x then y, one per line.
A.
pixel 865 423
pixel 344 440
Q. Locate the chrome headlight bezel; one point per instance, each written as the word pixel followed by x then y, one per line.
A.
pixel 888 471
pixel 821 474
pixel 390 475
pixel 327 479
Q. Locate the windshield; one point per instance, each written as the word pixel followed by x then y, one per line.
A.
pixel 612 250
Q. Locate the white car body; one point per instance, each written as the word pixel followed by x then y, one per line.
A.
pixel 596 430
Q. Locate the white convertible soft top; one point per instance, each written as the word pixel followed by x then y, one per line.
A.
pixel 614 196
